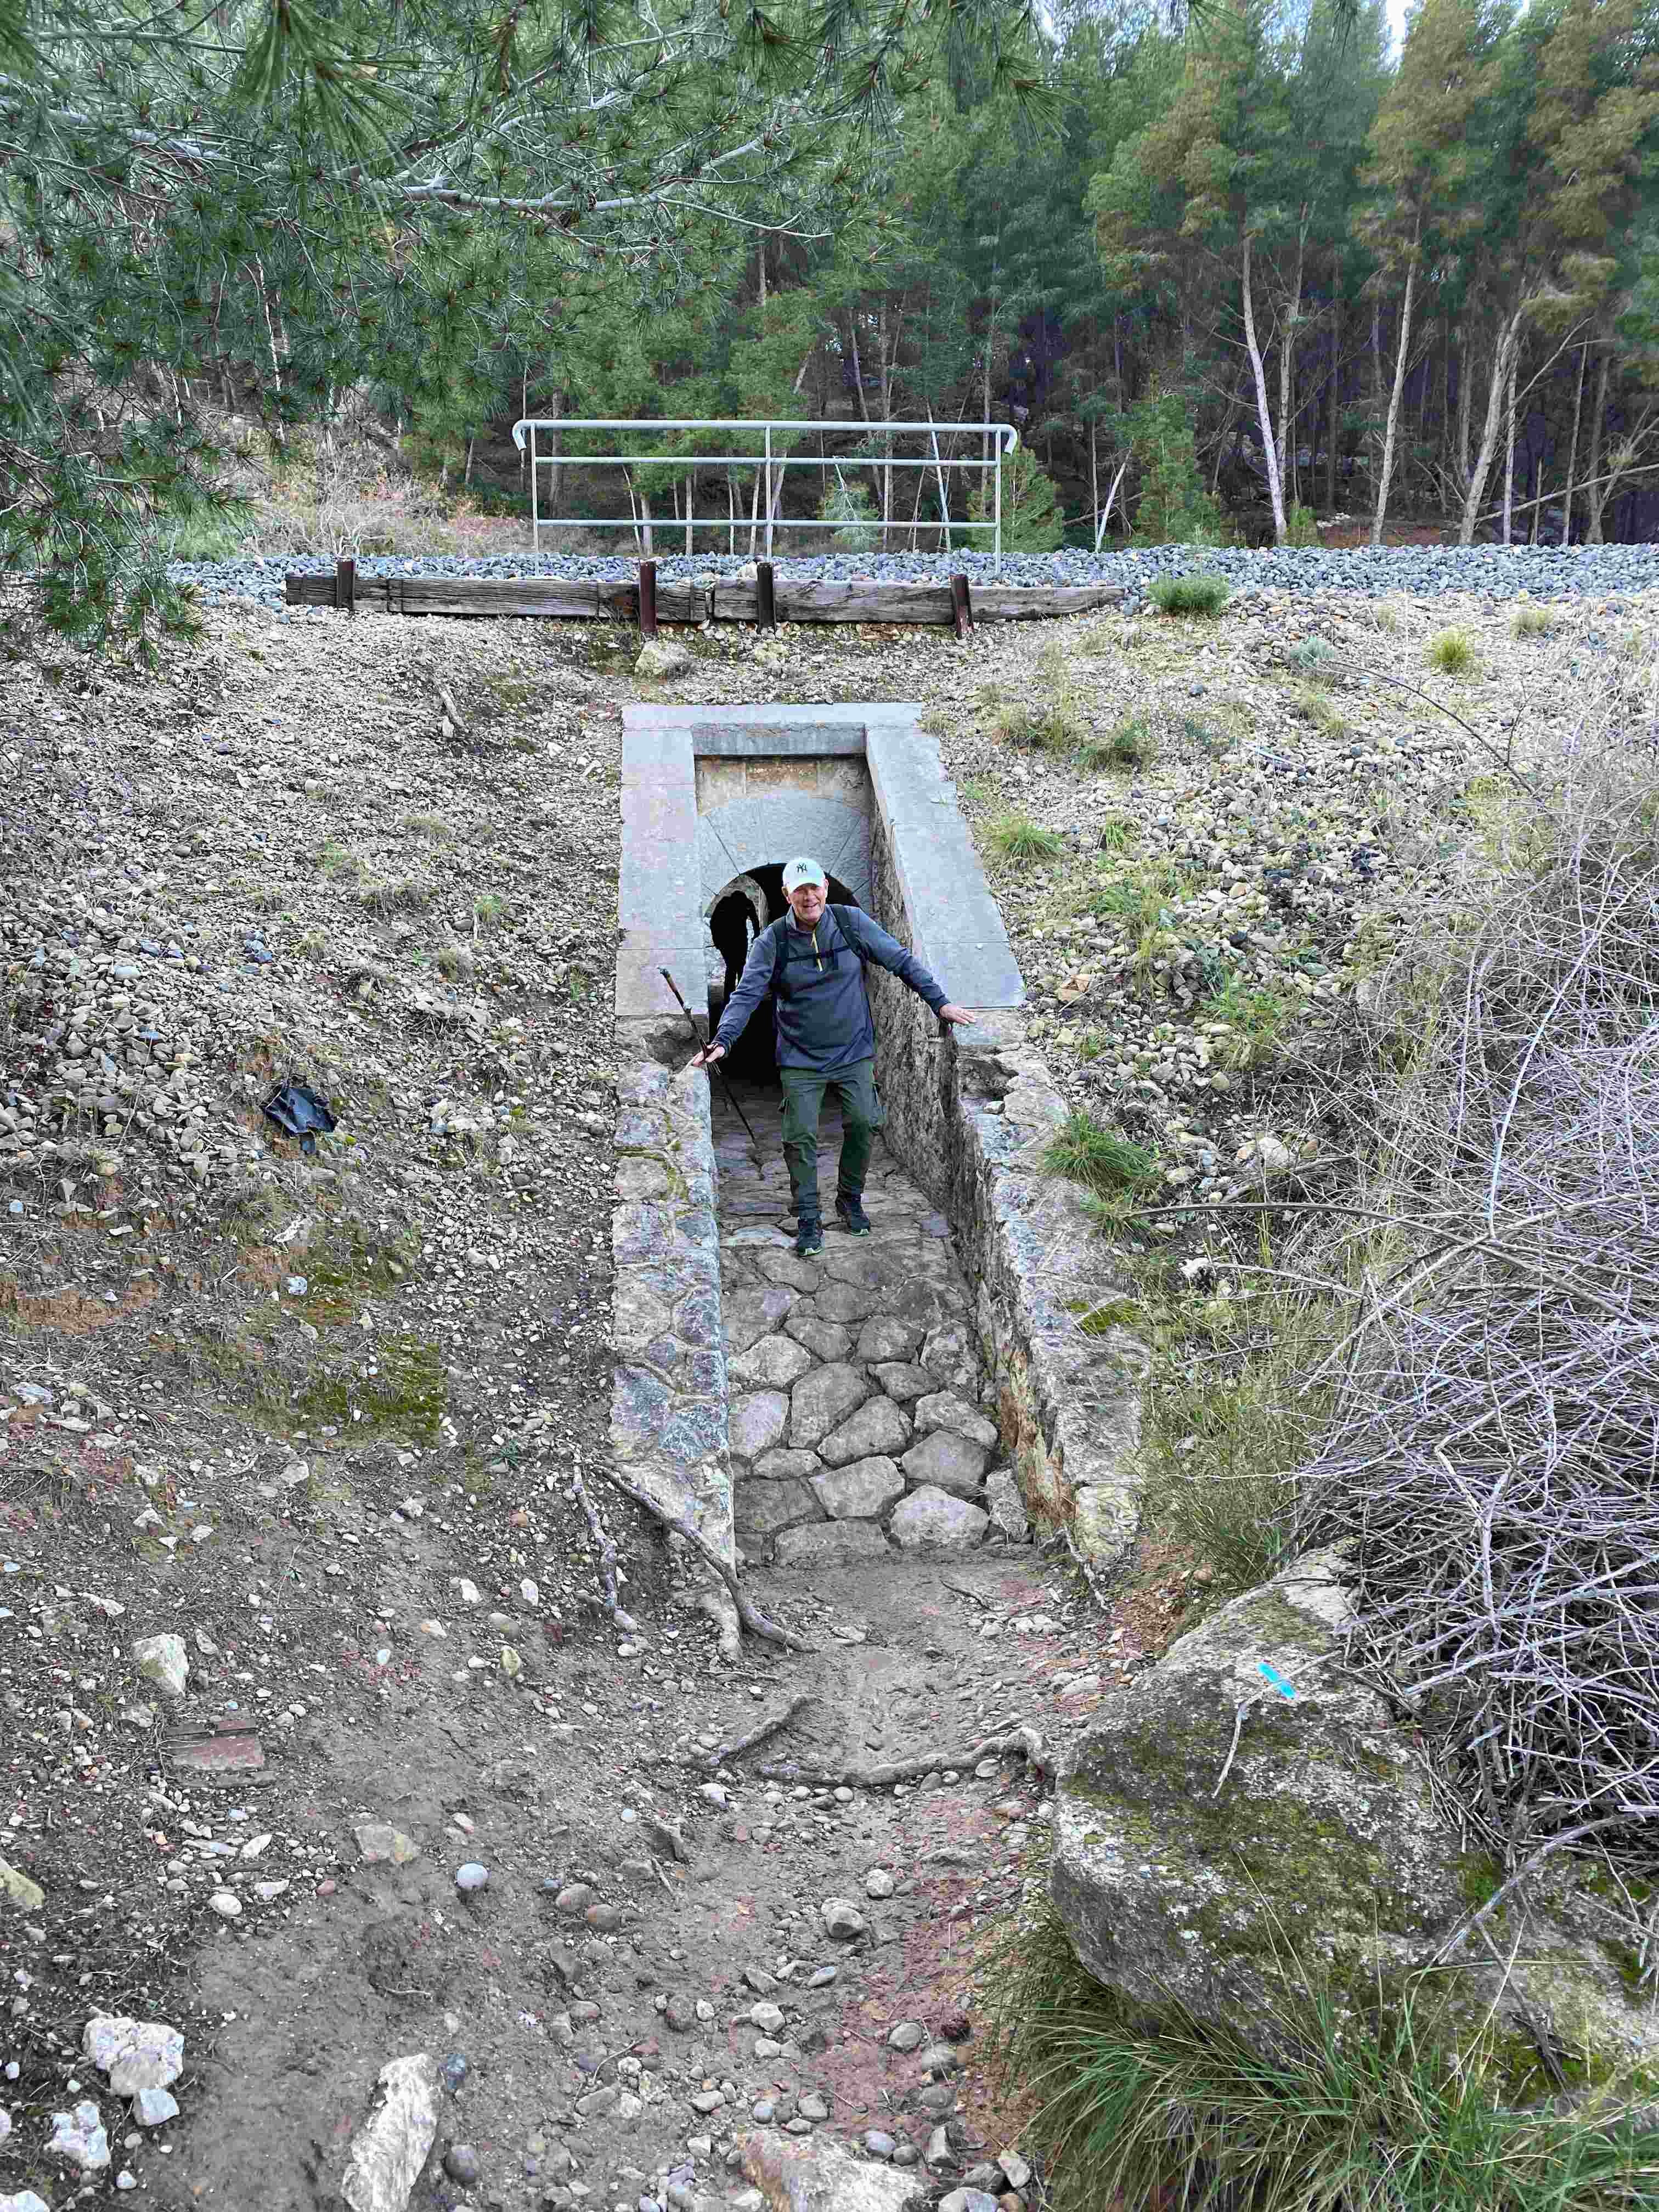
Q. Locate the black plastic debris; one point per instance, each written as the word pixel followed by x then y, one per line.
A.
pixel 300 1112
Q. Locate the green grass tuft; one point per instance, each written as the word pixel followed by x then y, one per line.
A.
pixel 1190 595
pixel 1531 621
pixel 1321 2107
pixel 1133 744
pixel 1086 1151
pixel 1452 652
pixel 1255 1019
pixel 338 860
pixel 1017 837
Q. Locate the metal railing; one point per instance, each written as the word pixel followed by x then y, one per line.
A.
pixel 764 519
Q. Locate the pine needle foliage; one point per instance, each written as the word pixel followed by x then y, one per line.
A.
pixel 253 208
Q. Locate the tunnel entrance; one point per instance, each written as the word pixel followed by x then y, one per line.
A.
pixel 736 914
pixel 914 1388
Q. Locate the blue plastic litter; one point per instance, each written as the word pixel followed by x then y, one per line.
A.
pixel 295 1108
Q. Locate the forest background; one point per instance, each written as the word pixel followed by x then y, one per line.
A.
pixel 1220 271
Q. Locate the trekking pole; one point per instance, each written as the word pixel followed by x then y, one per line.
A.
pixel 731 1096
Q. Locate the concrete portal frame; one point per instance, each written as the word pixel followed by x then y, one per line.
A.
pixel 667 854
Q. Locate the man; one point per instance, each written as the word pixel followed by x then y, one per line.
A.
pixel 812 966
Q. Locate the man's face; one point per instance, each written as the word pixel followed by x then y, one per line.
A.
pixel 806 904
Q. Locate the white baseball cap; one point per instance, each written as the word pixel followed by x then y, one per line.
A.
pixel 801 871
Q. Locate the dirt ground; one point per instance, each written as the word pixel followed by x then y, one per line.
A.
pixel 337 1422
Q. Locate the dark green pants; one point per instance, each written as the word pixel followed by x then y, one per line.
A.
pixel 861 1116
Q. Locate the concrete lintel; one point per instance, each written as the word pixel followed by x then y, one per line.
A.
pixel 774 740
pixel 747 731
pixel 955 929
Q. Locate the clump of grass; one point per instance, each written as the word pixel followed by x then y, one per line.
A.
pixel 1450 652
pixel 1049 717
pixel 338 860
pixel 1311 2104
pixel 1084 1151
pixel 432 826
pixel 491 910
pixel 1531 621
pixel 1254 1018
pixel 1203 595
pixel 1209 737
pixel 1092 1044
pixel 1116 834
pixel 1314 657
pixel 408 897
pixel 1016 837
pixel 1313 706
pixel 1133 744
pixel 454 961
pixel 1142 899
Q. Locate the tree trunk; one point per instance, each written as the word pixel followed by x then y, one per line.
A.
pixel 1288 362
pixel 1537 499
pixel 466 473
pixel 1508 459
pixel 1465 401
pixel 1275 488
pixel 1504 354
pixel 1385 468
pixel 1594 490
pixel 1572 448
pixel 1336 378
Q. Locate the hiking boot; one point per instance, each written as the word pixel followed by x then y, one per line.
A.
pixel 809 1235
pixel 850 1212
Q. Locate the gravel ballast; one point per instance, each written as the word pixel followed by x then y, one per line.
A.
pixel 1410 571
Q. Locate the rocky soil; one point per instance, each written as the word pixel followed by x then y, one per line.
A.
pixel 327 1429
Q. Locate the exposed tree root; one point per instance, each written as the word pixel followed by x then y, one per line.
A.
pixel 725 1754
pixel 752 1619
pixel 1019 1743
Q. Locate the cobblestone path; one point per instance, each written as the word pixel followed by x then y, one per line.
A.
pixel 858 1424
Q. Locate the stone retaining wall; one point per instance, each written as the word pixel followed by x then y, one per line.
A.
pixel 970 1113
pixel 668 1415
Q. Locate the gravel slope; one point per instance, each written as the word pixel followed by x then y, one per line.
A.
pixel 1422 572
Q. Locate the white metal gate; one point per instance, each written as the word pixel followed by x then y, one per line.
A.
pixel 772 463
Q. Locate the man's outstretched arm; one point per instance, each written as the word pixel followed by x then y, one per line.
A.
pixel 753 985
pixel 887 952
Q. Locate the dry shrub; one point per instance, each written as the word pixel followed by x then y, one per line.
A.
pixel 1495 1441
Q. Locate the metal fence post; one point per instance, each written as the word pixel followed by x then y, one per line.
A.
pixel 768 491
pixel 996 540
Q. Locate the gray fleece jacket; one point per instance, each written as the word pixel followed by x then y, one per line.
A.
pixel 820 1009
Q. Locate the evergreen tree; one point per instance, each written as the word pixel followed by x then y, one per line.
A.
pixel 285 196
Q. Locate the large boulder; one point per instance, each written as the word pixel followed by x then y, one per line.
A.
pixel 1251 1816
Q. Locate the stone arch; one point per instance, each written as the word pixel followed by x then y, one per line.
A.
pixel 743 886
pixel 751 833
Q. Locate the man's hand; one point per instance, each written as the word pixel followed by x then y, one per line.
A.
pixel 710 1053
pixel 960 1015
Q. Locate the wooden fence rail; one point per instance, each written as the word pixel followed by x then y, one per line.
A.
pixel 763 599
